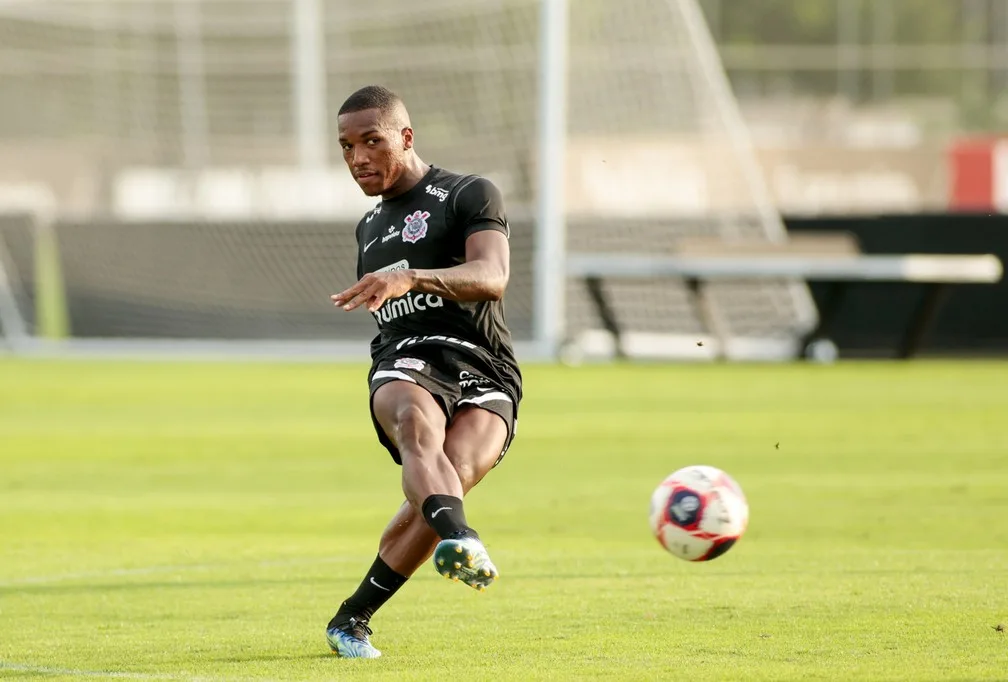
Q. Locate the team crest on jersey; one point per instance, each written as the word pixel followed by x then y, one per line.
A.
pixel 416 227
pixel 409 363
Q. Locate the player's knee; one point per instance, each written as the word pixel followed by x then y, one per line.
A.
pixel 415 430
pixel 468 473
pixel 468 463
pixel 472 445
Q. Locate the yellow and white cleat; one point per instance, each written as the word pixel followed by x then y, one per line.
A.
pixel 465 559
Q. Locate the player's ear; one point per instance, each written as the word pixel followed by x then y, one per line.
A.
pixel 407 138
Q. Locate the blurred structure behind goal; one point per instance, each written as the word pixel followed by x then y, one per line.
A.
pixel 170 176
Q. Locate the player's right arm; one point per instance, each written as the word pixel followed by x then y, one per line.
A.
pixel 483 277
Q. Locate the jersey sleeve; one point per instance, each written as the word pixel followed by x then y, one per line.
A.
pixel 360 260
pixel 478 205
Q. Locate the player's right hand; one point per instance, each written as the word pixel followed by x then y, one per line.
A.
pixel 374 288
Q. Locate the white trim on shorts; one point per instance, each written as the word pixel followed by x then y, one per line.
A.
pixel 391 374
pixel 485 398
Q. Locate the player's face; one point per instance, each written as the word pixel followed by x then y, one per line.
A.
pixel 374 150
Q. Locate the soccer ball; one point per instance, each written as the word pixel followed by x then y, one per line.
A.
pixel 698 513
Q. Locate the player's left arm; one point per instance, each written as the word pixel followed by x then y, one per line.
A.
pixel 482 277
pixel 477 214
pixel 479 211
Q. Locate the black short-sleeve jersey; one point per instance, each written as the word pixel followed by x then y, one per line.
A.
pixel 426 228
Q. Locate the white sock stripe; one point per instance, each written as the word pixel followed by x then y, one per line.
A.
pixel 486 397
pixel 391 374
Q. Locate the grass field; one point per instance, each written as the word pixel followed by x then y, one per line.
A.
pixel 181 521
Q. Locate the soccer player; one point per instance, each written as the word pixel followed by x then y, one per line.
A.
pixel 432 266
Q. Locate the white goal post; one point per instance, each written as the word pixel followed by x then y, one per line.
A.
pixel 12 323
pixel 29 282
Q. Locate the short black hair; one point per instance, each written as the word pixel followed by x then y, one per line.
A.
pixel 372 97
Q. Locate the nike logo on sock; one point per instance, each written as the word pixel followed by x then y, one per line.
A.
pixel 439 510
pixel 375 583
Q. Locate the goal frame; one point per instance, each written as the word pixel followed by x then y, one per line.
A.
pixel 549 273
pixel 37 205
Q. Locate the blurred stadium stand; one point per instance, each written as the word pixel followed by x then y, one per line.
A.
pixel 198 179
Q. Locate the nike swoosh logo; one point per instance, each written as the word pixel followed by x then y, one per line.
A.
pixel 368 245
pixel 379 586
pixel 484 390
pixel 439 510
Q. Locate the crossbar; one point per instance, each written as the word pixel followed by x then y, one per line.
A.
pixel 922 268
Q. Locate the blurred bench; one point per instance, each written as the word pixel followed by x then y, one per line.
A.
pixel 833 258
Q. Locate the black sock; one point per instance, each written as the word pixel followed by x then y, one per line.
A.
pixel 378 586
pixel 444 514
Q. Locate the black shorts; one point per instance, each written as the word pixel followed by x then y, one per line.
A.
pixel 455 378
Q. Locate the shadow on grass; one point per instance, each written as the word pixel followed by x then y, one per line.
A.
pixel 71 588
pixel 86 587
pixel 268 658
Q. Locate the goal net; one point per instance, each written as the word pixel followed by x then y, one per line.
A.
pixel 659 155
pixel 190 148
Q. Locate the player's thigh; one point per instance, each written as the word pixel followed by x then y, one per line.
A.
pixel 474 442
pixel 405 410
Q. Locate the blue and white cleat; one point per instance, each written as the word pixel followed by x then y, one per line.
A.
pixel 465 559
pixel 350 639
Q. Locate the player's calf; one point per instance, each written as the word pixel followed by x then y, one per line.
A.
pixel 446 515
pixel 460 555
pixel 473 445
pixel 348 632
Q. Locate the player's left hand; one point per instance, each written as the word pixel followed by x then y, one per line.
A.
pixel 373 289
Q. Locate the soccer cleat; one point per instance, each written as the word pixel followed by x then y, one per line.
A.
pixel 350 639
pixel 465 559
